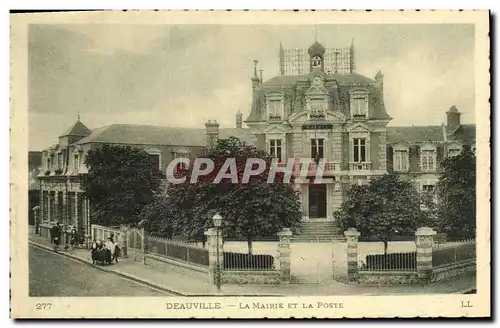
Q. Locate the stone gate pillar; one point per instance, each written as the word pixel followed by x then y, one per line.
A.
pixel 124 235
pixel 424 239
pixel 212 244
pixel 284 255
pixel 352 235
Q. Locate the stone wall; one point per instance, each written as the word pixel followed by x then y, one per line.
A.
pixel 251 277
pixel 453 270
pixel 387 277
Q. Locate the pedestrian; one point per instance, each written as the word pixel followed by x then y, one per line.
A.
pixel 73 239
pixel 57 236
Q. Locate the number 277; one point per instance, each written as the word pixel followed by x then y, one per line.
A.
pixel 43 306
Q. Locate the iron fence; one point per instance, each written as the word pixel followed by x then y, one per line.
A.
pixel 176 250
pixel 453 252
pixel 390 262
pixel 248 262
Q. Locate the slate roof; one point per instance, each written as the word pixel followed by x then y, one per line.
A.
pixel 465 132
pixel 146 135
pixel 397 134
pixel 78 129
pixel 243 134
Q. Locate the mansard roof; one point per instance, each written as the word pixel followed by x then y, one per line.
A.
pixel 396 134
pixel 342 79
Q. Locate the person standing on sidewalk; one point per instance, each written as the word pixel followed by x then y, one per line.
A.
pixel 56 235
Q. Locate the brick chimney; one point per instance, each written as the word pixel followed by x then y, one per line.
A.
pixel 239 120
pixel 452 119
pixel 212 133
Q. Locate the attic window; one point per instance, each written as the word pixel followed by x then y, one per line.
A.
pixel 359 104
pixel 317 108
pixel 275 106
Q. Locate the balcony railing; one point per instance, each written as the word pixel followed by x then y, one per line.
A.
pixel 275 117
pixel 329 168
pixel 360 166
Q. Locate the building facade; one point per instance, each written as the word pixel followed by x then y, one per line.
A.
pixel 320 108
pixel 62 165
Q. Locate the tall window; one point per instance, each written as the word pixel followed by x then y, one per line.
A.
pixel 274 108
pixel 76 163
pixel 275 148
pixel 359 150
pixel 317 146
pixel 401 160
pixel 359 104
pixel 49 162
pixel 428 162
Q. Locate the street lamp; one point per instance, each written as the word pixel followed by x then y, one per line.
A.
pixel 217 219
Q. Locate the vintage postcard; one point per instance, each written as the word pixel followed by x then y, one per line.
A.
pixel 250 164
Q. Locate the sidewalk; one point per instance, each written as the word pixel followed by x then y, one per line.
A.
pixel 182 282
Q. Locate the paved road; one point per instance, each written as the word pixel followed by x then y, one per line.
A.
pixel 55 275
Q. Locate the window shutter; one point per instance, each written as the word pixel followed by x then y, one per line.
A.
pixel 439 157
pixel 390 159
pixel 374 149
pixel 415 163
pixel 346 150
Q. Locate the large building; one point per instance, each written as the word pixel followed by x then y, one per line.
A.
pixel 318 107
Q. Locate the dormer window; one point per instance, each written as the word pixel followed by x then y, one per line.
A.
pixel 60 160
pixel 274 109
pixel 454 150
pixel 359 104
pixel 275 106
pixel 317 108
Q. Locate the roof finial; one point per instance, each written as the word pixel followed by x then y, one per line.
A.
pixel 315 32
pixel 78 116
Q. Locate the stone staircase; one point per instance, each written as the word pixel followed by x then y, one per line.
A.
pixel 318 231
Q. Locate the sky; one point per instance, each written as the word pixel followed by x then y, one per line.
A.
pixel 185 75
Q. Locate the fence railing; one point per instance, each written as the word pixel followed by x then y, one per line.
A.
pixel 453 252
pixel 103 233
pixel 248 262
pixel 177 250
pixel 390 262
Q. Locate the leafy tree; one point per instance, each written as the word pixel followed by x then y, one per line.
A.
pixel 120 182
pixel 457 195
pixel 385 207
pixel 250 210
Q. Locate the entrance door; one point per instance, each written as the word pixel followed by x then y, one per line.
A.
pixel 317 201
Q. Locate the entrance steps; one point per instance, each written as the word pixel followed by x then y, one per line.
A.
pixel 318 231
